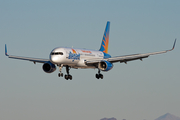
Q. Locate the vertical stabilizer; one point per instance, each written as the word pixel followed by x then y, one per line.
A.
pixel 105 40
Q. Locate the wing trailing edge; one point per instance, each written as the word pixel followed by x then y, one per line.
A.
pixel 127 58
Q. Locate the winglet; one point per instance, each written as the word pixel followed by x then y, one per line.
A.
pixel 6 51
pixel 173 46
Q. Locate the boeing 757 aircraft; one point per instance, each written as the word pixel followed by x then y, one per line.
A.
pixel 84 58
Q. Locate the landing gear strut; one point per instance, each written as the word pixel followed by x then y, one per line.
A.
pixel 68 76
pixel 60 74
pixel 99 75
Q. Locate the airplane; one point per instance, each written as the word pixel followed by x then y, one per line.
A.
pixel 84 58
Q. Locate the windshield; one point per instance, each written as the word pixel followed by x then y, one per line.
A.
pixel 57 53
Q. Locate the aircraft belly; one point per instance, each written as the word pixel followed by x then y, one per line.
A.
pixel 92 67
pixel 70 61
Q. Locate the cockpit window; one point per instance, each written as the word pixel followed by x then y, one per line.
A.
pixel 57 53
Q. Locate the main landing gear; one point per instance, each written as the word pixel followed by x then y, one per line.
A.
pixel 68 76
pixel 99 75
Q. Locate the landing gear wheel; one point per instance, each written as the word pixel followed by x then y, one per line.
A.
pixel 99 75
pixel 68 77
pixel 60 68
pixel 60 74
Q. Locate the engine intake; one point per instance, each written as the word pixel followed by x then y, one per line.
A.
pixel 48 67
pixel 105 65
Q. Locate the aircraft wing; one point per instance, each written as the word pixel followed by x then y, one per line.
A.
pixel 26 58
pixel 127 58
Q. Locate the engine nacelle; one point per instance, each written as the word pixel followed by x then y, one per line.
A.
pixel 105 65
pixel 48 67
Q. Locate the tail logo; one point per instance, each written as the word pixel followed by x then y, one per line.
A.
pixel 74 51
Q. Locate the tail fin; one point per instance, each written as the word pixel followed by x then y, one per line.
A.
pixel 105 40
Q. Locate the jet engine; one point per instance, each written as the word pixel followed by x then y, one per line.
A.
pixel 48 67
pixel 105 65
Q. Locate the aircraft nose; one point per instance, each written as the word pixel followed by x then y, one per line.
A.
pixel 53 59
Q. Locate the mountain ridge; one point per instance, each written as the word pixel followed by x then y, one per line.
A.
pixel 168 116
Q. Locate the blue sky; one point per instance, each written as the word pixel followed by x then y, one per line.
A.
pixel 136 91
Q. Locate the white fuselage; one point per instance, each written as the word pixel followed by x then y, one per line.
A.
pixel 74 57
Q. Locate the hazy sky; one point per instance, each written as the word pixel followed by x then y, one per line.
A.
pixel 136 91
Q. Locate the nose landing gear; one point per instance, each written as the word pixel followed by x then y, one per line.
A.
pixel 99 75
pixel 60 74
